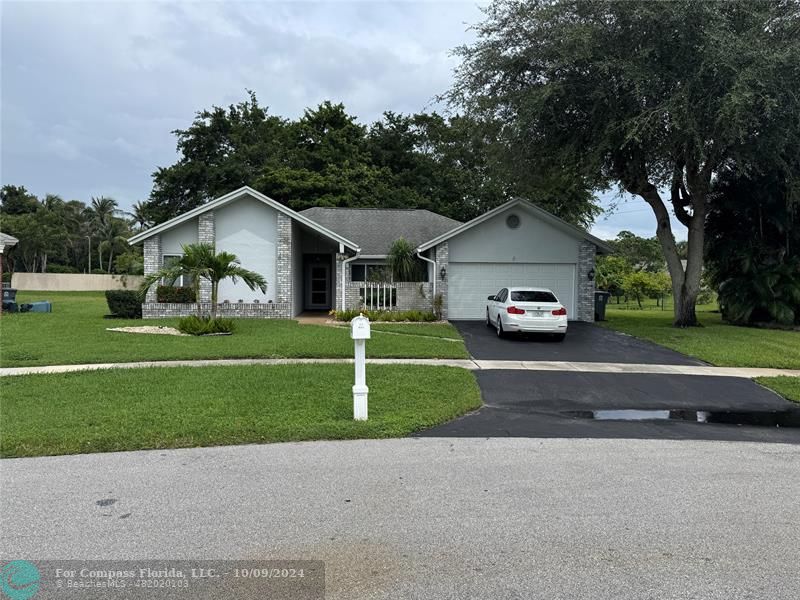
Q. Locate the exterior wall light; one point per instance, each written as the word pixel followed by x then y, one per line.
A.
pixel 590 275
pixel 443 273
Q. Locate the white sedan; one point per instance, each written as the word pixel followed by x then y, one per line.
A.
pixel 526 310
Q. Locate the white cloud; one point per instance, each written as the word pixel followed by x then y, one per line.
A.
pixel 91 91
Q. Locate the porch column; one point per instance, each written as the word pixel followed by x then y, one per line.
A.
pixel 585 300
pixel 205 235
pixel 152 263
pixel 283 285
pixel 442 260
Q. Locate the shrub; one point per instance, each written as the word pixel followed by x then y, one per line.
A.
pixel 403 262
pixel 194 325
pixel 61 269
pixel 385 315
pixel 124 303
pixel 175 295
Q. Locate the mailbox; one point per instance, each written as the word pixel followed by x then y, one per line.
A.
pixel 359 328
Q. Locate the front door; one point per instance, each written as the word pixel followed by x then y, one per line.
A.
pixel 318 286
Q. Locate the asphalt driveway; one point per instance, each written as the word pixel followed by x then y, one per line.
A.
pixel 546 404
pixel 585 342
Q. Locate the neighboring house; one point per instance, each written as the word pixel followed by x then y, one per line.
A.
pixel 325 258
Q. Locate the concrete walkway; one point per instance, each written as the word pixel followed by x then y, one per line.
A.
pixel 476 365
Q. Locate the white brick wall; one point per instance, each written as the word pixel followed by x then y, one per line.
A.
pixel 205 235
pixel 585 300
pixel 152 262
pixel 283 285
pixel 442 260
pixel 232 309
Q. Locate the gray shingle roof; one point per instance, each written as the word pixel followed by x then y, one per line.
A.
pixel 374 229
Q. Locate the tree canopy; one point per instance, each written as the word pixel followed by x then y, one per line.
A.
pixel 451 165
pixel 649 96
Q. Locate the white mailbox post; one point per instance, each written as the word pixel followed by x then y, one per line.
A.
pixel 359 331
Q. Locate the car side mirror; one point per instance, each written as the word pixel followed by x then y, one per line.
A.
pixel 491 298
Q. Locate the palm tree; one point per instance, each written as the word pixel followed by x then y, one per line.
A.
pixel 403 263
pixel 201 261
pixel 139 217
pixel 101 212
pixel 227 266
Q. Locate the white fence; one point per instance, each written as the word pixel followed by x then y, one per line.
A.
pixel 379 296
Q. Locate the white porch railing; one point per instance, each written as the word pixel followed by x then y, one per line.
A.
pixel 379 296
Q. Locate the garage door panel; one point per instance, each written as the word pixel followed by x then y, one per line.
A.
pixel 470 283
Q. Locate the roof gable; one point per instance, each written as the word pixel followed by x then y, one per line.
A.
pixel 233 197
pixel 542 214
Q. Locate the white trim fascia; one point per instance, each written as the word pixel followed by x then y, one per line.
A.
pixel 543 214
pixel 235 195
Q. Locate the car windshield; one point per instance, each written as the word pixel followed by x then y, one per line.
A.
pixel 532 296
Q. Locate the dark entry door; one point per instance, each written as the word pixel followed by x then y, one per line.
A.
pixel 318 285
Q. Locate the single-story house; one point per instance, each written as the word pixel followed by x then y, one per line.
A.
pixel 326 258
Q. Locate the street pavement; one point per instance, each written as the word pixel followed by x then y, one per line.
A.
pixel 436 518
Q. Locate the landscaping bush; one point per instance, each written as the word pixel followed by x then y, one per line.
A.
pixel 175 295
pixel 124 304
pixel 385 315
pixel 194 325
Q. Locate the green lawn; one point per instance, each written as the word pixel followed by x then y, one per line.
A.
pixel 716 343
pixel 788 387
pixel 75 332
pixel 440 330
pixel 121 409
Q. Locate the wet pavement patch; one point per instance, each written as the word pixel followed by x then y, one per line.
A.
pixel 774 418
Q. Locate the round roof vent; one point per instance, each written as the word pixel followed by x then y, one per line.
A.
pixel 512 221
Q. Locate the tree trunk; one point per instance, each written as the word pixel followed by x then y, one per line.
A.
pixel 214 291
pixel 685 283
pixel 196 286
pixel 685 309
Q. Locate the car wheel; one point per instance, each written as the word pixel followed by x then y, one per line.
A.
pixel 500 332
pixel 560 337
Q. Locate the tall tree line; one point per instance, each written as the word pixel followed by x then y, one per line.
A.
pixel 68 236
pixel 451 165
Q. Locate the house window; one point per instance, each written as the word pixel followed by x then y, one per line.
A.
pixel 380 272
pixel 373 272
pixel 183 280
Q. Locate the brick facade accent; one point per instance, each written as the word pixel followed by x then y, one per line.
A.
pixel 409 295
pixel 241 310
pixel 205 235
pixel 442 260
pixel 585 300
pixel 152 262
pixel 283 285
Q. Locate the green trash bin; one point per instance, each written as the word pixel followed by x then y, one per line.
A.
pixel 600 301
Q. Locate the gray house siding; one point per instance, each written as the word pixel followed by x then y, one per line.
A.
pixel 532 250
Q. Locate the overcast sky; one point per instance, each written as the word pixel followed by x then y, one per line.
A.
pixel 91 91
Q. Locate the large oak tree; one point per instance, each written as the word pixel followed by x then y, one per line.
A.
pixel 655 97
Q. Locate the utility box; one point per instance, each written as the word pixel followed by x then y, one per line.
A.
pixel 600 301
pixel 359 328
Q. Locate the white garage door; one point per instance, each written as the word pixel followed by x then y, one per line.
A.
pixel 468 284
